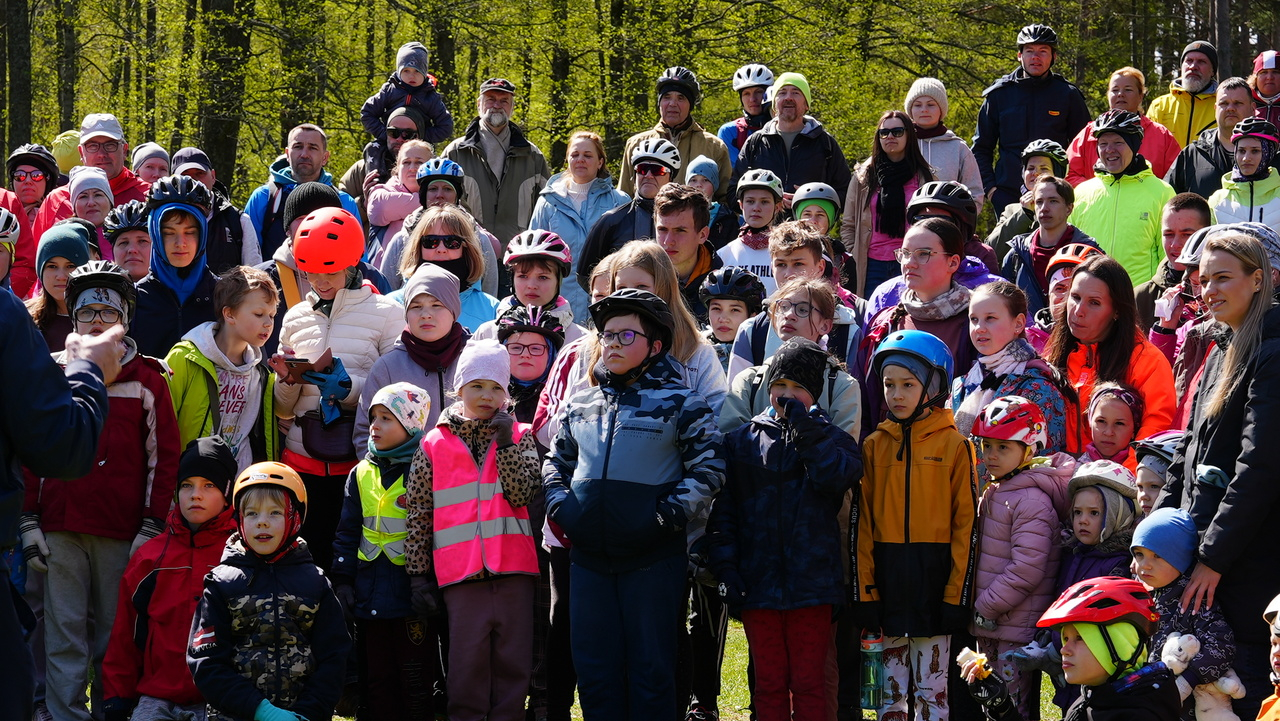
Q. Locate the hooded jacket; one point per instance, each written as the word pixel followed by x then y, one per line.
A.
pixel 1123 216
pixel 265 206
pixel 1185 114
pixel 1200 166
pixel 555 212
pixel 1149 372
pixel 856 223
pixel 748 397
pixel 1255 201
pixel 814 157
pixel 1019 267
pixel 1038 384
pixel 157 599
pixel 423 98
pixel 951 159
pixel 22 266
pixel 1158 146
pixel 1217 640
pixel 1151 695
pixel 161 321
pixel 57 204
pixel 232 238
pixel 614 229
pixel 691 141
pixel 500 204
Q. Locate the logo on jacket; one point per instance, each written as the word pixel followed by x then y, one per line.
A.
pixel 400 501
pixel 417 631
pixel 204 639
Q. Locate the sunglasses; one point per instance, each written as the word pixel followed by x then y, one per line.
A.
pixel 21 175
pixel 397 133
pixel 452 242
pixel 651 169
pixel 895 132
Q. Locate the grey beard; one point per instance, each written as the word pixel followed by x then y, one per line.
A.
pixel 496 119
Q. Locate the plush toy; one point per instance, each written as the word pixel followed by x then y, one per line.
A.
pixel 1213 700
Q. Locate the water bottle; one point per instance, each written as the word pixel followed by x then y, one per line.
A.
pixel 872 669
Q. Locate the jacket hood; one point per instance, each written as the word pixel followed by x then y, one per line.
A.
pixel 282 174
pixel 1110 179
pixel 236 555
pixel 1115 543
pixel 284 256
pixel 938 421
pixel 946 137
pixel 811 126
pixel 662 371
pixel 1051 475
pixel 202 337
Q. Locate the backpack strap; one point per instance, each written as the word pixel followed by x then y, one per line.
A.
pixel 215 410
pixel 288 285
pixel 759 336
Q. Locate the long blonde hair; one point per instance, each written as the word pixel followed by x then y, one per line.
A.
pixel 458 223
pixel 1246 339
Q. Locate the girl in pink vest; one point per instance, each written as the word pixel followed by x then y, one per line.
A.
pixel 468 488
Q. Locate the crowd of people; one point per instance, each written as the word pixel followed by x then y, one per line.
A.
pixel 454 437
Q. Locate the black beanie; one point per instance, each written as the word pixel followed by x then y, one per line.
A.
pixel 209 458
pixel 306 199
pixel 1205 48
pixel 801 361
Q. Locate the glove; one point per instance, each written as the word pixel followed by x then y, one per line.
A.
pixel 501 423
pixel 732 589
pixel 347 598
pixel 425 595
pixel 34 548
pixel 955 618
pixel 792 409
pixel 334 386
pixel 151 527
pixel 983 623
pixel 670 517
pixel 868 614
pixel 268 711
pixel 991 693
pixel 117 709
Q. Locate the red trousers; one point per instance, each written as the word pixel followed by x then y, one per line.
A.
pixel 789 650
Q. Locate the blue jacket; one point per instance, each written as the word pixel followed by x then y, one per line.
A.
pixel 1017 266
pixel 382 587
pixel 734 133
pixel 774 522
pixel 554 211
pixel 265 207
pixel 423 98
pixel 160 322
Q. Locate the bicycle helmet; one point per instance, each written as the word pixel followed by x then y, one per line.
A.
pixel 1269 615
pixel 1037 34
pixel 948 194
pixel 1122 122
pixel 540 244
pixel 733 283
pixel 1104 600
pixel 681 80
pixel 1013 418
pixel 640 302
pixel 1072 254
pixel 530 319
pixel 752 76
pixel 130 216
pixel 271 473
pixel 103 274
pixel 1104 473
pixel 9 228
pixel 760 178
pixel 1050 149
pixel 928 351
pixel 1256 127
pixel 328 240
pixel 656 150
pixel 179 189
pixel 440 169
pixel 37 155
pixel 1161 445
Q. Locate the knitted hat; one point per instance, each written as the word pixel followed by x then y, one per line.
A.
pixel 412 113
pixel 801 361
pixel 1204 47
pixel 793 79
pixel 437 282
pixel 827 207
pixel 84 177
pixel 1124 639
pixel 63 240
pixel 1171 534
pixel 483 360
pixel 412 55
pixel 1266 60
pixel 918 368
pixel 931 87
pixel 66 150
pixel 707 168
pixel 209 458
pixel 407 402
pixel 145 152
pixel 307 198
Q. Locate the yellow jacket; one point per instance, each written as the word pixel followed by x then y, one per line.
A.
pixel 1183 114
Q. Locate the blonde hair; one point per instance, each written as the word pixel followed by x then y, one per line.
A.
pixel 1131 72
pixel 1245 341
pixel 457 223
pixel 597 141
pixel 413 145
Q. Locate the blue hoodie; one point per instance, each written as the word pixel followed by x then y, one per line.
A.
pixel 266 205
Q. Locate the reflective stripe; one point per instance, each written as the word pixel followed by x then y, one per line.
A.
pixel 484 529
pixel 466 494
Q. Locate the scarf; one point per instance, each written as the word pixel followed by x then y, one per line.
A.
pixel 402 453
pixel 182 281
pixel 460 267
pixel 435 356
pixel 606 378
pixel 987 375
pixel 1135 166
pixel 891 199
pixel 326 306
pixel 1264 167
pixel 954 300
pixel 755 238
pixel 926 133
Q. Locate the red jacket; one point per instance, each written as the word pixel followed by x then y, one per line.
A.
pixel 22 268
pixel 147 653
pixel 135 469
pixel 57 204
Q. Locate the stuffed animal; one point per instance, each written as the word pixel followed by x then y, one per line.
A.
pixel 1213 700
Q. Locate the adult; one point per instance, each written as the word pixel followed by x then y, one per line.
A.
pixel 505 172
pixel 1125 91
pixel 1120 207
pixel 232 238
pixel 573 200
pixel 751 82
pixel 102 145
pixel 1252 191
pixel 445 236
pixel 1028 260
pixel 1226 479
pixel 1265 85
pixel 678 93
pixel 391 202
pixel 1183 215
pixel 682 217
pixel 1030 103
pixel 946 152
pixel 875 218
pixel 1200 166
pixel 655 162
pixel 33 174
pixel 1061 266
pixel 305 154
pixel 1187 110
pixel 1040 158
pixel 126 230
pixel 150 162
pixel 794 145
pixel 62 249
pixel 91 200
pixel 404 124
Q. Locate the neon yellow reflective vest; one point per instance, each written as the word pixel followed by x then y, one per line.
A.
pixel 385 524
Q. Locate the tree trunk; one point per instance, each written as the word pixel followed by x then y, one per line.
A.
pixel 1222 37
pixel 226 53
pixel 18 29
pixel 150 43
pixel 445 55
pixel 4 75
pixel 180 125
pixel 302 63
pixel 68 63
pixel 560 67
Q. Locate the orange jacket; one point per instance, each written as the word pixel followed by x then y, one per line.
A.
pixel 1149 373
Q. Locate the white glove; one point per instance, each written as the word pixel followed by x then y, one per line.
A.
pixel 34 547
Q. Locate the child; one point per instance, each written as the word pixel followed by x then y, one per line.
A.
pixel 1106 626
pixel 1114 417
pixel 224 358
pixel 912 567
pixel 1019 513
pixel 731 295
pixel 759 196
pixel 538 261
pixel 1154 454
pixel 268 642
pixel 1271 707
pixel 1164 552
pixel 704 175
pixel 145 670
pixel 396 667
pixel 774 539
pixel 478 463
pixel 409 86
pixel 79 531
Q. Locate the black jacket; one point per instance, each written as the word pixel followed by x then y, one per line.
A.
pixel 815 157
pixel 226 234
pixel 614 229
pixel 161 321
pixel 1200 166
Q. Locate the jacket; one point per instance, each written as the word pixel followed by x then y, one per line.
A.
pixel 22 266
pixel 1019 268
pixel 1123 216
pixel 951 159
pixel 389 204
pixel 423 98
pixel 265 206
pixel 1016 110
pixel 1039 383
pixel 503 205
pixel 1149 373
pixel 1186 115
pixel 691 141
pixel 914 536
pixel 135 469
pixel 555 212
pixel 690 290
pixel 268 630
pixel 974 272
pixel 840 399
pixel 57 204
pixel 232 239
pixel 734 133
pixel 814 157
pixel 1013 221
pixel 1019 518
pixel 1149 694
pixel 381 586
pixel 158 594
pixel 396 366
pixel 774 521
pixel 1080 562
pixel 1217 640
pixel 1271 707
pixel 1159 147
pixel 1146 294
pixel 160 321
pixel 1200 166
pixel 856 223
pixel 1268 110
pixel 284 256
pixel 618 455
pixel 614 229
pixel 1255 201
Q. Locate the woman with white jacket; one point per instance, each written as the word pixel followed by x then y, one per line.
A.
pixel 945 151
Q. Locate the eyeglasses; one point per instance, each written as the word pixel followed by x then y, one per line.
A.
pixel 89 315
pixel 397 133
pixel 801 308
pixel 520 348
pixel 622 337
pixel 452 242
pixel 110 146
pixel 21 175
pixel 921 256
pixel 895 132
pixel 652 169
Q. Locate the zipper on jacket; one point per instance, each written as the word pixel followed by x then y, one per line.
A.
pixel 611 400
pixel 906 500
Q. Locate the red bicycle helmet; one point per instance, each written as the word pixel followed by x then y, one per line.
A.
pixel 329 240
pixel 1104 600
pixel 1013 418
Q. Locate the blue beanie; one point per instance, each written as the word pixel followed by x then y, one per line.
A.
pixel 1171 534
pixel 917 368
pixel 63 240
pixel 707 168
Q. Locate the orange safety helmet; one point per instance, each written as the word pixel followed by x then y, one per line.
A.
pixel 328 240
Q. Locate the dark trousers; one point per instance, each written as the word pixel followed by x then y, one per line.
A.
pixel 624 640
pixel 490 647
pixel 17 682
pixel 398 658
pixel 701 650
pixel 562 679
pixel 324 506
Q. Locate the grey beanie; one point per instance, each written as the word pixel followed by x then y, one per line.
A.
pixel 437 282
pixel 145 152
pixel 412 55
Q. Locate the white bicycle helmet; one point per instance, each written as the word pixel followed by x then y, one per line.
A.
pixel 656 150
pixel 760 178
pixel 752 76
pixel 9 228
pixel 540 244
pixel 1104 473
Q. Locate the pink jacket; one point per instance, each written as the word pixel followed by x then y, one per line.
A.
pixel 389 204
pixel 1018 560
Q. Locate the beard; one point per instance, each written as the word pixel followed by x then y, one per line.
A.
pixel 495 118
pixel 1195 85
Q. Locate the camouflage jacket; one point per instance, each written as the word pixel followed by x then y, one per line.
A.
pixel 624 457
pixel 268 630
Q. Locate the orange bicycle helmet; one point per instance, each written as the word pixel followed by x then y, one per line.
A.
pixel 328 240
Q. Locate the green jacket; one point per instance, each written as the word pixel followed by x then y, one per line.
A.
pixel 193 381
pixel 1123 216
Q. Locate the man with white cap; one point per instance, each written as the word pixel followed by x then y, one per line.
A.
pixel 232 239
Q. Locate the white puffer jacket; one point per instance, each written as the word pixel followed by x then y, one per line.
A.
pixel 362 327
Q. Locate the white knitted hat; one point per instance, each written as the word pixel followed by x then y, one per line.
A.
pixel 932 87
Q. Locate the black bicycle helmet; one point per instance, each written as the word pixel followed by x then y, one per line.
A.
pixel 530 319
pixel 130 216
pixel 947 194
pixel 1050 149
pixel 733 283
pixel 681 79
pixel 37 155
pixel 1037 34
pixel 102 274
pixel 1256 127
pixel 1121 122
pixel 179 189
pixel 639 302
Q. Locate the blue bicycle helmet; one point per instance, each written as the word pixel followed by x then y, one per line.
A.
pixel 925 353
pixel 440 169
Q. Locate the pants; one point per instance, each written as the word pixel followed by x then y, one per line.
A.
pixel 791 650
pixel 17 683
pixel 84 575
pixel 701 650
pixel 324 506
pixel 399 668
pixel 915 674
pixel 624 640
pixel 490 646
pixel 1024 686
pixel 562 679
pixel 34 597
pixel 878 271
pixel 156 709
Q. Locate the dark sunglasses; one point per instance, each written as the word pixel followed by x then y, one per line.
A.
pixel 397 133
pixel 651 169
pixel 452 242
pixel 21 175
pixel 895 132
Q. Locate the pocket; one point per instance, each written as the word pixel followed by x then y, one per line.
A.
pixel 332 443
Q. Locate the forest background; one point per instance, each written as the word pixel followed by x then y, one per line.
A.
pixel 232 76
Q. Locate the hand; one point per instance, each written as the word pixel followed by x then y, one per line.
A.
pixel 1199 593
pixel 733 591
pixel 151 527
pixel 347 598
pixel 334 385
pixel 425 595
pixel 990 691
pixel 268 711
pixel 370 180
pixel 138 542
pixel 791 408
pixel 34 547
pixel 277 364
pixel 670 517
pixel 501 424
pixel 105 351
pixel 1027 200
pixel 1172 299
